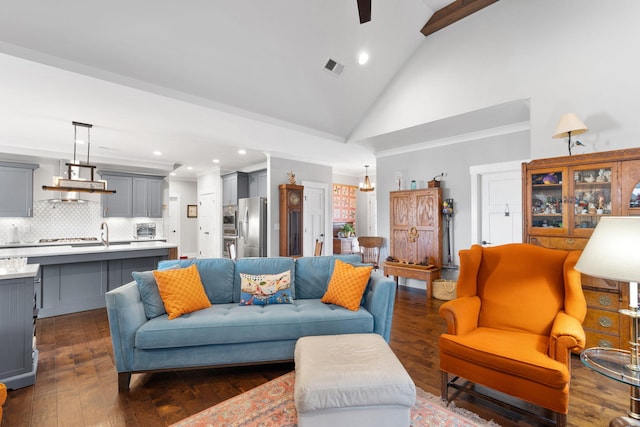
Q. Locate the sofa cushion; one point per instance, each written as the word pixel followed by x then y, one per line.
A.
pixel 347 285
pixel 313 274
pixel 257 266
pixel 153 305
pixel 231 323
pixel 264 289
pixel 181 291
pixel 216 275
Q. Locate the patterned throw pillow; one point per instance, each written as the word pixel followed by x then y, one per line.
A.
pixel 153 305
pixel 347 285
pixel 181 290
pixel 263 289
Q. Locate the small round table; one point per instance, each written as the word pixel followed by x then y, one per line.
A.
pixel 613 363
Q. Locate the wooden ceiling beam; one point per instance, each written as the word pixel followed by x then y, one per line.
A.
pixel 452 13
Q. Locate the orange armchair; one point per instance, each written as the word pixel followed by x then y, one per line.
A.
pixel 518 316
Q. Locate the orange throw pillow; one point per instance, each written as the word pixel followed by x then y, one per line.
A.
pixel 181 290
pixel 347 285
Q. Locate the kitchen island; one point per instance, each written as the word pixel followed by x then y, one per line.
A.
pixel 75 277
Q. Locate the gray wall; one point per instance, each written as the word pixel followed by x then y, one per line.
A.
pixel 455 161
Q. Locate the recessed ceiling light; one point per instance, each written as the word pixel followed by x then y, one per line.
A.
pixel 157 153
pixel 190 167
pixel 172 173
pixel 216 160
pixel 242 151
pixel 363 58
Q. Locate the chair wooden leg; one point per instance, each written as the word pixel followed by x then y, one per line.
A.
pixel 561 419
pixel 444 386
pixel 124 378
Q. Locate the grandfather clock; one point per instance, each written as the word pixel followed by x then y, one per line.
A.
pixel 291 220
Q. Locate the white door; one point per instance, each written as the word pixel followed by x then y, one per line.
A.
pixel 496 205
pixel 313 219
pixel 207 247
pixel 502 208
pixel 173 230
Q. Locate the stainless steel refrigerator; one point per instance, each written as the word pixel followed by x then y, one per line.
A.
pixel 252 227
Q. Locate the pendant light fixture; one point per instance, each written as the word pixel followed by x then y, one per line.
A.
pixel 367 186
pixel 79 176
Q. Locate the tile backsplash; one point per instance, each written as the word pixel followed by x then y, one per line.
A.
pixel 68 220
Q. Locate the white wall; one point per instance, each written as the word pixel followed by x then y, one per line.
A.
pixel 568 55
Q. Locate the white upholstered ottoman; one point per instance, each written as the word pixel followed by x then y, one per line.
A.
pixel 351 380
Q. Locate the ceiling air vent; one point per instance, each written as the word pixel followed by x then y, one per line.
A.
pixel 333 67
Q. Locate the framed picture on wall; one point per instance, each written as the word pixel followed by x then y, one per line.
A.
pixel 192 211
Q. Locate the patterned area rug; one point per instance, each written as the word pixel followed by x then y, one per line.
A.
pixel 271 405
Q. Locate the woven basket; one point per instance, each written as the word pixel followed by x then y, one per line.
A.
pixel 444 289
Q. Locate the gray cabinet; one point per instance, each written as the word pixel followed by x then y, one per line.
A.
pixel 120 203
pixel 234 186
pixel 19 357
pixel 258 183
pixel 136 195
pixel 16 195
pixel 72 283
pixel 147 197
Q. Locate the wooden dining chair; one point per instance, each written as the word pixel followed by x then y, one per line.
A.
pixel 370 249
pixel 318 250
pixel 231 250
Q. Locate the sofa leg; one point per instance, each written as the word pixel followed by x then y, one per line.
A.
pixel 561 419
pixel 124 378
pixel 444 386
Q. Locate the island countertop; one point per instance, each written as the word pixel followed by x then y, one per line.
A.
pixel 83 249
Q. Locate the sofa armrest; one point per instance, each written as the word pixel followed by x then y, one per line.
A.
pixel 567 335
pixel 379 299
pixel 461 314
pixel 126 315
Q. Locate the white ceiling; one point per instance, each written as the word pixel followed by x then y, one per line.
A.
pixel 198 79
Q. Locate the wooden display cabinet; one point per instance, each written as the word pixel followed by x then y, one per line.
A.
pixel 563 200
pixel 291 199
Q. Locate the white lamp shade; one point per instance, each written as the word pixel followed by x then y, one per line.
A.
pixel 569 122
pixel 613 250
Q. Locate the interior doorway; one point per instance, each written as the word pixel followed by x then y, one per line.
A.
pixel 209 242
pixel 173 227
pixel 315 216
pixel 496 205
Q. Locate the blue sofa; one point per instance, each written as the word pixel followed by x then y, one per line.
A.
pixel 230 334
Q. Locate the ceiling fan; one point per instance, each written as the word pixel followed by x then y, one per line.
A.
pixel 364 10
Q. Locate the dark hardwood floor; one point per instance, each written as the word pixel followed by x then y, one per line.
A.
pixel 77 383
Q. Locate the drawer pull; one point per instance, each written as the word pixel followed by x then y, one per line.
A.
pixel 605 300
pixel 605 322
pixel 605 343
pixel 570 241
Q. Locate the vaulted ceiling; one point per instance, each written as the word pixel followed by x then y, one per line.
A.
pixel 198 80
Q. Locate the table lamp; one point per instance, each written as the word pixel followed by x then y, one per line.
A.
pixel 612 253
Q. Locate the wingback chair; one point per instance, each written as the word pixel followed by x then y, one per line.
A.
pixel 518 316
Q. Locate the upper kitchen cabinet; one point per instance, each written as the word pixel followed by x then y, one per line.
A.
pixel 120 203
pixel 258 183
pixel 16 199
pixel 234 186
pixel 147 197
pixel 136 195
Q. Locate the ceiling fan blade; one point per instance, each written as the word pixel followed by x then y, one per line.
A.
pixel 364 9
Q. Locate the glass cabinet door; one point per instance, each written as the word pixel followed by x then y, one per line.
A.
pixel 547 201
pixel 591 197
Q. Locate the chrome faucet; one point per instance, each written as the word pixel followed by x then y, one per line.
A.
pixel 104 226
